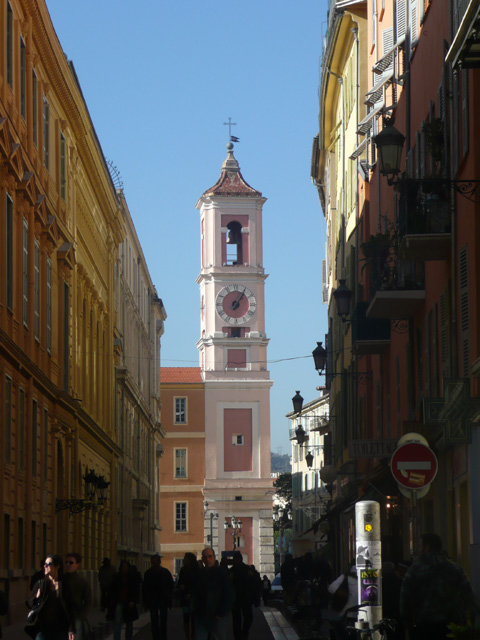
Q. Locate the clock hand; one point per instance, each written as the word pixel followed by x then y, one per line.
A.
pixel 236 303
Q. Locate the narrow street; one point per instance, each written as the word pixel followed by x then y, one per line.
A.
pixel 268 624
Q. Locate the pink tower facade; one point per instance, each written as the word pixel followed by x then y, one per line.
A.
pixel 233 360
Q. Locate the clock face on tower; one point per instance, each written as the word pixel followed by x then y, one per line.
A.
pixel 235 304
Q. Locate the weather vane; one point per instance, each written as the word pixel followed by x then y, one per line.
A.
pixel 231 124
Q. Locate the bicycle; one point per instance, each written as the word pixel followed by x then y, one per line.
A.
pixel 379 631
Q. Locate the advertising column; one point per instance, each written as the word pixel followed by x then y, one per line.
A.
pixel 368 562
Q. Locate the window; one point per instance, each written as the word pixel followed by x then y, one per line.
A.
pixel 36 291
pixel 180 516
pixel 20 543
pixel 6 541
pixel 25 272
pixel 35 108
pixel 33 548
pixel 180 411
pixel 44 540
pixel 21 430
pixel 9 251
pixel 48 277
pixel 46 132
pixel 180 463
pixel 237 439
pixel 34 437
pixel 178 564
pixel 9 44
pixel 66 323
pixel 63 167
pixel 23 78
pixel 236 358
pixel 45 445
pixel 8 419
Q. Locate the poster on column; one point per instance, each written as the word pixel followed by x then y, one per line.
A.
pixel 369 587
pixel 369 554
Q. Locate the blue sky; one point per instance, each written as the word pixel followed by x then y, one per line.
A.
pixel 160 78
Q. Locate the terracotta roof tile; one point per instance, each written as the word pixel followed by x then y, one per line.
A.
pixel 232 185
pixel 180 375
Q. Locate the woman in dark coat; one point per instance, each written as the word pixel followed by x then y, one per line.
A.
pixel 187 580
pixel 52 622
pixel 125 592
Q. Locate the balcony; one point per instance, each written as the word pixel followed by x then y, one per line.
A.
pixel 424 222
pixel 397 285
pixel 369 335
pixel 465 47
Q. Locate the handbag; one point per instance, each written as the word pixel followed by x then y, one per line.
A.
pixel 33 613
pixel 32 627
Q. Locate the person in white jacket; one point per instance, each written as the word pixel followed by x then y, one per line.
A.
pixel 343 599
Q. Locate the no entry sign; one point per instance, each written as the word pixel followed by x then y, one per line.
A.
pixel 414 465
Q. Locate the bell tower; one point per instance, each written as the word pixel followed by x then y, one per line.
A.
pixel 233 359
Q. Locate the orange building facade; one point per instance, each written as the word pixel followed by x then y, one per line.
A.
pixel 61 225
pixel 182 473
pixel 409 258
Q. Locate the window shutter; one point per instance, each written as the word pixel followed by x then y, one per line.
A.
pixel 417 154
pixel 401 19
pixel 465 127
pixel 428 354
pixel 413 22
pixel 423 152
pixel 464 309
pixel 420 355
pixel 445 332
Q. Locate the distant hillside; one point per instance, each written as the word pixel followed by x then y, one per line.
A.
pixel 280 463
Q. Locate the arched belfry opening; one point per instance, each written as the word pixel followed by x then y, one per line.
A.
pixel 234 243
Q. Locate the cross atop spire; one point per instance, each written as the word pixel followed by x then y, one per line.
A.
pixel 231 124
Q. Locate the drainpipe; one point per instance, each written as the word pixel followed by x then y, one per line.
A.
pixel 454 221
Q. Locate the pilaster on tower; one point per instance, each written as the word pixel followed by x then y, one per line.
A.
pixel 233 359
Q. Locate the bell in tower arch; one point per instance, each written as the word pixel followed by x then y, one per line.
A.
pixel 234 243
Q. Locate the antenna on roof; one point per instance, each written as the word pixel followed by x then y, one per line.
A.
pixel 115 175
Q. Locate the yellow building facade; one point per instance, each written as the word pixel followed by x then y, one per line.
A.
pixel 339 167
pixel 60 229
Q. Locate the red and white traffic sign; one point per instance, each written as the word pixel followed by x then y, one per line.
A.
pixel 414 465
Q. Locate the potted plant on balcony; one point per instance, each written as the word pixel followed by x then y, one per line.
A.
pixel 380 256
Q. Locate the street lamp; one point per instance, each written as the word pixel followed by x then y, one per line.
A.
pixel 297 402
pixel 389 143
pixel 213 515
pixel 319 358
pixel 95 495
pixel 236 526
pixel 343 298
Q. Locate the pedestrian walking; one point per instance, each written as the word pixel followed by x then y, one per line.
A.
pixel 435 593
pixel 212 599
pixel 157 596
pixel 266 590
pixel 245 587
pixel 77 595
pixel 48 619
pixel 106 574
pixel 288 578
pixel 344 592
pixel 3 607
pixel 124 600
pixel 187 579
